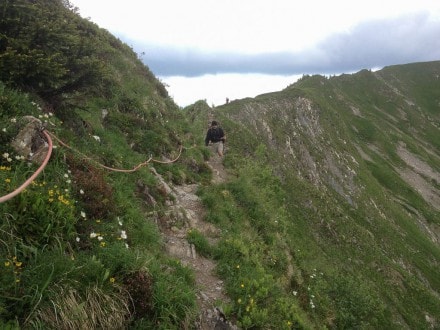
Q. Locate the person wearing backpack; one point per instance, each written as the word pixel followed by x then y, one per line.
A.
pixel 216 138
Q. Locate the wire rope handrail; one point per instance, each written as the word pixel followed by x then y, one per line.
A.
pixel 49 152
pixel 149 160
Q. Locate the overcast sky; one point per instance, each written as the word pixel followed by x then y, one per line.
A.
pixel 213 49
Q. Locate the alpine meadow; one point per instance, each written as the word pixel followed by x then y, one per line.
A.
pixel 323 213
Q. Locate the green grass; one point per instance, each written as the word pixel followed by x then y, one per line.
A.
pixel 81 245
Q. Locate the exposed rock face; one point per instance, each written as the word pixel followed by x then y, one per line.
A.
pixel 293 127
pixel 29 142
pixel 420 176
pixel 334 139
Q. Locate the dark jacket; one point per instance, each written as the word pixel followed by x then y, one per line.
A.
pixel 214 134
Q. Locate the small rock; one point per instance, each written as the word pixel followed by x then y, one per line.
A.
pixel 29 143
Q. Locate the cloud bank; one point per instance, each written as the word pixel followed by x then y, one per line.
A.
pixel 374 44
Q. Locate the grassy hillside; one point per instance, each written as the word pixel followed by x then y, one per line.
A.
pixel 330 217
pixel 341 184
pixel 80 247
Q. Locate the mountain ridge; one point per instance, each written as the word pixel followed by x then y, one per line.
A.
pixel 329 217
pixel 374 127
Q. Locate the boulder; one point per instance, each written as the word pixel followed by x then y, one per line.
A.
pixel 29 141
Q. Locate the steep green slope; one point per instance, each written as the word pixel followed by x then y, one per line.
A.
pixel 356 165
pixel 80 247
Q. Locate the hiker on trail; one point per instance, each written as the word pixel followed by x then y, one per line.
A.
pixel 216 138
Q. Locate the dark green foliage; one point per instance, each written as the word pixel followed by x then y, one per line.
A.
pixel 100 203
pixel 47 50
pixel 140 287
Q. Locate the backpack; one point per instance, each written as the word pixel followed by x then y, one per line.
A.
pixel 215 134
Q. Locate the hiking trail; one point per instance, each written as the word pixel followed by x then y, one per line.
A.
pixel 186 213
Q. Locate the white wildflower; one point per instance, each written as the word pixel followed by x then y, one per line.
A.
pixel 93 235
pixel 4 130
pixel 81 192
pixel 13 120
pixel 77 239
pixel 97 138
pixel 5 155
pixel 100 238
pixel 123 234
pixel 83 214
pixel 126 245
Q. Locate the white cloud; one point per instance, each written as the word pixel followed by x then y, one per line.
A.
pixel 246 26
pixel 196 37
pixel 216 88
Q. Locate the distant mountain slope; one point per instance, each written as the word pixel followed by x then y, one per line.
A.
pixel 358 157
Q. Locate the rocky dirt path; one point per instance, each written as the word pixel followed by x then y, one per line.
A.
pixel 187 213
